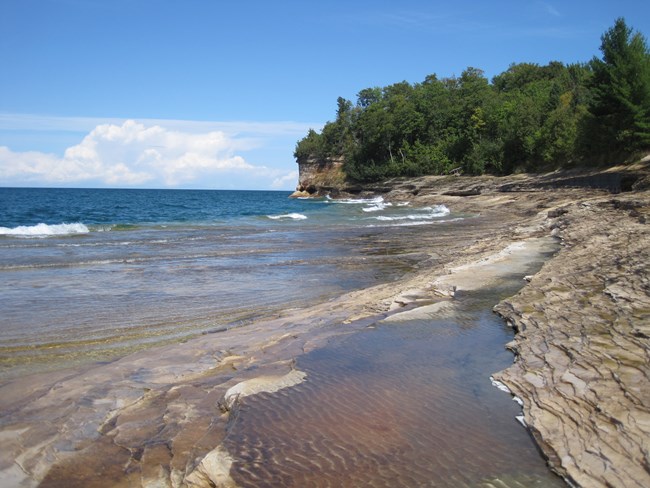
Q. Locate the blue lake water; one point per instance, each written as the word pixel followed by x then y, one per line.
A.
pixel 90 275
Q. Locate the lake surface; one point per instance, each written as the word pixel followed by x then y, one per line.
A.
pixel 91 275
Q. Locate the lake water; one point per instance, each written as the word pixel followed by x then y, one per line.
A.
pixel 91 275
pixel 88 276
pixel 406 403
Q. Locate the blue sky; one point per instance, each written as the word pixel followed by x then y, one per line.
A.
pixel 215 94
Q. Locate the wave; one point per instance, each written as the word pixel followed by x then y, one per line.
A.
pixel 293 216
pixel 431 213
pixel 376 204
pixel 377 207
pixel 44 230
pixel 356 201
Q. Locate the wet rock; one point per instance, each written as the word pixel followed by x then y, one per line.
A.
pixel 214 470
pixel 464 192
pixel 261 384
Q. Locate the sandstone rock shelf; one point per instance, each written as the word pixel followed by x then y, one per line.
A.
pixel 583 364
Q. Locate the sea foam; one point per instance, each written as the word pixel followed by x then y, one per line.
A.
pixel 44 230
pixel 357 201
pixel 377 207
pixel 293 216
pixel 425 213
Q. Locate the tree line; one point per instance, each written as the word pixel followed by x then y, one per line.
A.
pixel 528 118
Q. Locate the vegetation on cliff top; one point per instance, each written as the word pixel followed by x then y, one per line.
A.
pixel 529 117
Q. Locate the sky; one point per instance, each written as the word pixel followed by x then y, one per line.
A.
pixel 215 94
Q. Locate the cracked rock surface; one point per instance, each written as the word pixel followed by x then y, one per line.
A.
pixel 583 344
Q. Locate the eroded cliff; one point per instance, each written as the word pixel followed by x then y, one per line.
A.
pixel 319 177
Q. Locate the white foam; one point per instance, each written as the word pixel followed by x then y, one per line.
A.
pixel 438 210
pixel 500 385
pixel 376 207
pixel 44 230
pixel 431 213
pixel 357 201
pixel 293 216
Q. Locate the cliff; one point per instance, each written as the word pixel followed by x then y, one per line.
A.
pixel 319 177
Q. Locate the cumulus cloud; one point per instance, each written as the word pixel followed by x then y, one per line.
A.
pixel 285 180
pixel 131 154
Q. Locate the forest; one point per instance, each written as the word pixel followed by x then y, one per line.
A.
pixel 528 118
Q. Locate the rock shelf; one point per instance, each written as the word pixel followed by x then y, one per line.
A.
pixel 583 365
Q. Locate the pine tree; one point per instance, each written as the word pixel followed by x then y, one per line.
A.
pixel 621 92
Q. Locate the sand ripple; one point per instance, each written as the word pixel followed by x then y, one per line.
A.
pixel 397 406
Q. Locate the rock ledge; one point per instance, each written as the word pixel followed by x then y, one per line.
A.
pixel 583 344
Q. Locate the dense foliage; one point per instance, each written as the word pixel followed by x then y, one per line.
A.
pixel 530 117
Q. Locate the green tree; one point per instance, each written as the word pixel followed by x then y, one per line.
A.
pixel 309 146
pixel 620 106
pixel 368 96
pixel 529 117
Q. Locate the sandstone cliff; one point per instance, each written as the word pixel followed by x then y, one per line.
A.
pixel 319 177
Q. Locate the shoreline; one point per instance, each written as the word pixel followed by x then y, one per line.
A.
pixel 175 389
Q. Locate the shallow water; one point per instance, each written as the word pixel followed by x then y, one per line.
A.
pixel 408 403
pixel 405 403
pixel 93 275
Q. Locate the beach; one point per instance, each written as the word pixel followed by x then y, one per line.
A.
pixel 173 415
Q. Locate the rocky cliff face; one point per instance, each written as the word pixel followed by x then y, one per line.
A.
pixel 319 177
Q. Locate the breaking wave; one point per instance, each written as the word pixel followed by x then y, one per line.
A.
pixel 426 213
pixel 292 216
pixel 421 216
pixel 44 230
pixel 377 207
pixel 356 201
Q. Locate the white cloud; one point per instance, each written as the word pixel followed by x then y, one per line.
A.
pixel 285 181
pixel 132 153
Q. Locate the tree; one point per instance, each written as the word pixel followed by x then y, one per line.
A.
pixel 368 96
pixel 529 117
pixel 309 146
pixel 620 106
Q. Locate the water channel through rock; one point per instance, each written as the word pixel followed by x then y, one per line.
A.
pixel 407 402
